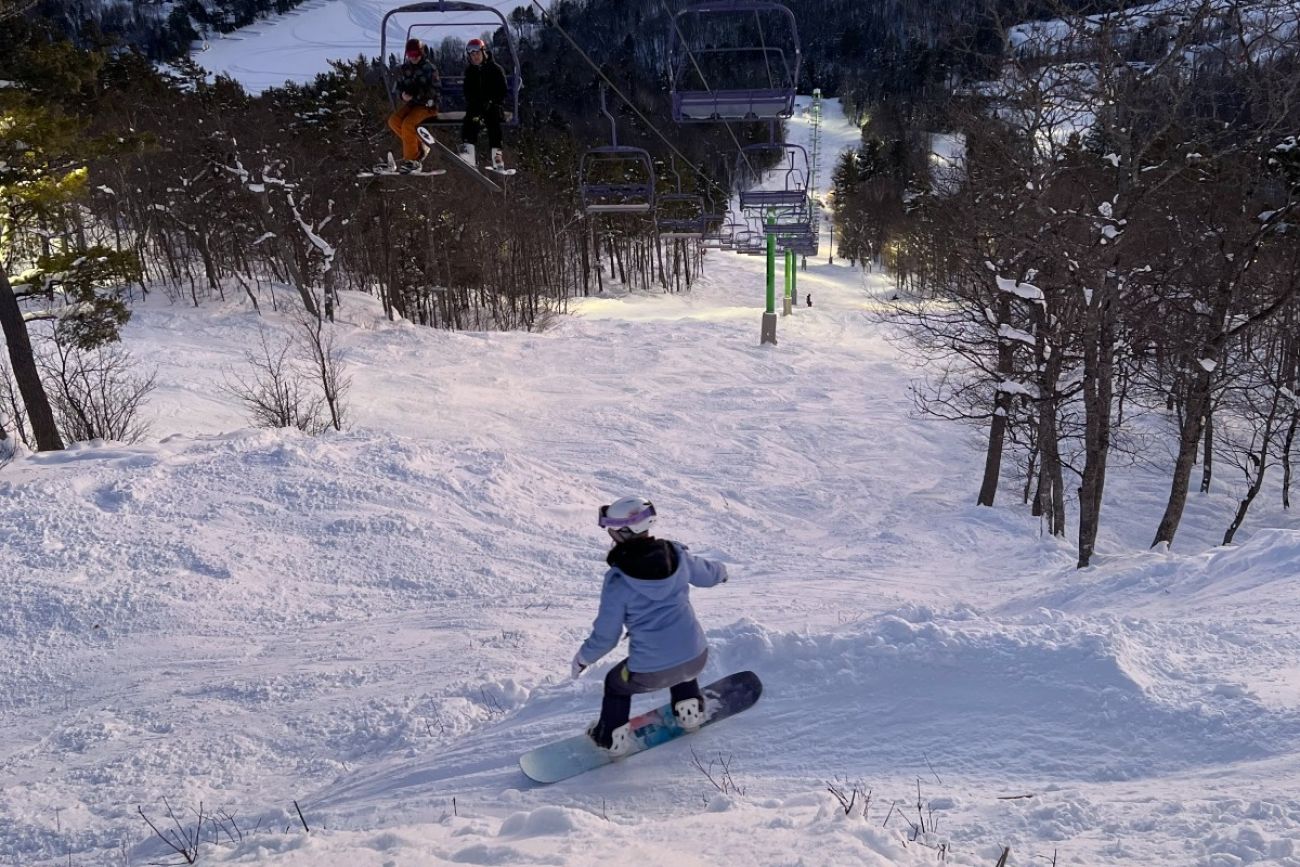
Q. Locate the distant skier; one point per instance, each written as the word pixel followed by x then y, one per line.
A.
pixel 418 89
pixel 485 95
pixel 647 591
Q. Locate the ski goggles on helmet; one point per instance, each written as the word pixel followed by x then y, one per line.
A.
pixel 608 523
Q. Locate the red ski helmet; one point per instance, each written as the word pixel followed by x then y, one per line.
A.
pixel 414 49
pixel 475 44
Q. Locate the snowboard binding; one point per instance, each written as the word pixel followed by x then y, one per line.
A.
pixel 615 741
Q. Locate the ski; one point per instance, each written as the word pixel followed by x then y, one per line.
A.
pixel 426 136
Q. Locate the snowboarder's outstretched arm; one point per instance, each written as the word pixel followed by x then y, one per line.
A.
pixel 703 572
pixel 608 626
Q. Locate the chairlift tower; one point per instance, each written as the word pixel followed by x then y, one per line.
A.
pixel 814 169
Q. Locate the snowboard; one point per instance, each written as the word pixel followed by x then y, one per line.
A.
pixel 385 172
pixel 390 169
pixel 579 754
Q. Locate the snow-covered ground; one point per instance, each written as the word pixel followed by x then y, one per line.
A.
pixel 376 624
pixel 298 45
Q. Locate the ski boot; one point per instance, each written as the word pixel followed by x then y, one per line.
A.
pixel 467 154
pixel 498 161
pixel 408 166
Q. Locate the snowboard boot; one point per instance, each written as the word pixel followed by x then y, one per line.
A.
pixel 611 732
pixel 688 705
pixel 498 161
pixel 467 154
pixel 615 742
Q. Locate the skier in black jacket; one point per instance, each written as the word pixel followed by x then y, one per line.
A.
pixel 485 96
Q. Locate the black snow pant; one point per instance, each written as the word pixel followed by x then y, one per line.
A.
pixel 621 684
pixel 474 123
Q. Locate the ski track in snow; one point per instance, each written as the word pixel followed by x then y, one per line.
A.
pixel 376 622
pixel 299 44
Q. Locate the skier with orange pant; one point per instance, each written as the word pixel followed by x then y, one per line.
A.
pixel 418 89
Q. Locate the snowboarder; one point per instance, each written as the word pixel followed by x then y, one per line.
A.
pixel 485 95
pixel 418 89
pixel 647 591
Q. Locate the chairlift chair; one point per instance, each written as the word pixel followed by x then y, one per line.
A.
pixel 788 220
pixel 791 167
pixel 717 234
pixel 742 76
pixel 679 214
pixel 465 17
pixel 800 245
pixel 614 178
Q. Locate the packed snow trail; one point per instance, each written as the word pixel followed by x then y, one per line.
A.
pixel 376 623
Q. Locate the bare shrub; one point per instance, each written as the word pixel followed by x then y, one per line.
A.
pixel 13 416
pixel 320 353
pixel 183 840
pixel 718 772
pixel 96 393
pixel 275 392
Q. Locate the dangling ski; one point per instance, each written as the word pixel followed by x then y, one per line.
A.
pixel 426 135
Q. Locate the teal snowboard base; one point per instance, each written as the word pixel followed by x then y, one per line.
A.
pixel 579 754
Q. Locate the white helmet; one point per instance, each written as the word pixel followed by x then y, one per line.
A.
pixel 627 518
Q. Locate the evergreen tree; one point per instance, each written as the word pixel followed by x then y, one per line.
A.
pixel 48 268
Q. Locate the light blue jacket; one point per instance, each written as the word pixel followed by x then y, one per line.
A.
pixel 657 614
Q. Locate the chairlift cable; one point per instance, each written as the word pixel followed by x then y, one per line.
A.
pixel 703 80
pixel 762 44
pixel 546 16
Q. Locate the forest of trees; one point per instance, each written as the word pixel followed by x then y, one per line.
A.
pixel 1109 273
pixel 1114 275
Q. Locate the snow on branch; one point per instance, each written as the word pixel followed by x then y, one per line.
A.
pixel 1027 291
pixel 1010 386
pixel 1015 335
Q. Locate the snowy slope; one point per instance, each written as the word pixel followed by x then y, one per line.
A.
pixel 298 45
pixel 375 624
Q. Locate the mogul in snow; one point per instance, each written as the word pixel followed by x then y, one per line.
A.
pixel 647 591
pixel 418 89
pixel 485 95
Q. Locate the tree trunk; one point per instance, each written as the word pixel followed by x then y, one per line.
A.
pixel 1195 405
pixel 1207 452
pixel 23 361
pixel 1098 392
pixel 1001 413
pixel 1050 500
pixel 1050 497
pixel 1260 460
pixel 1286 460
